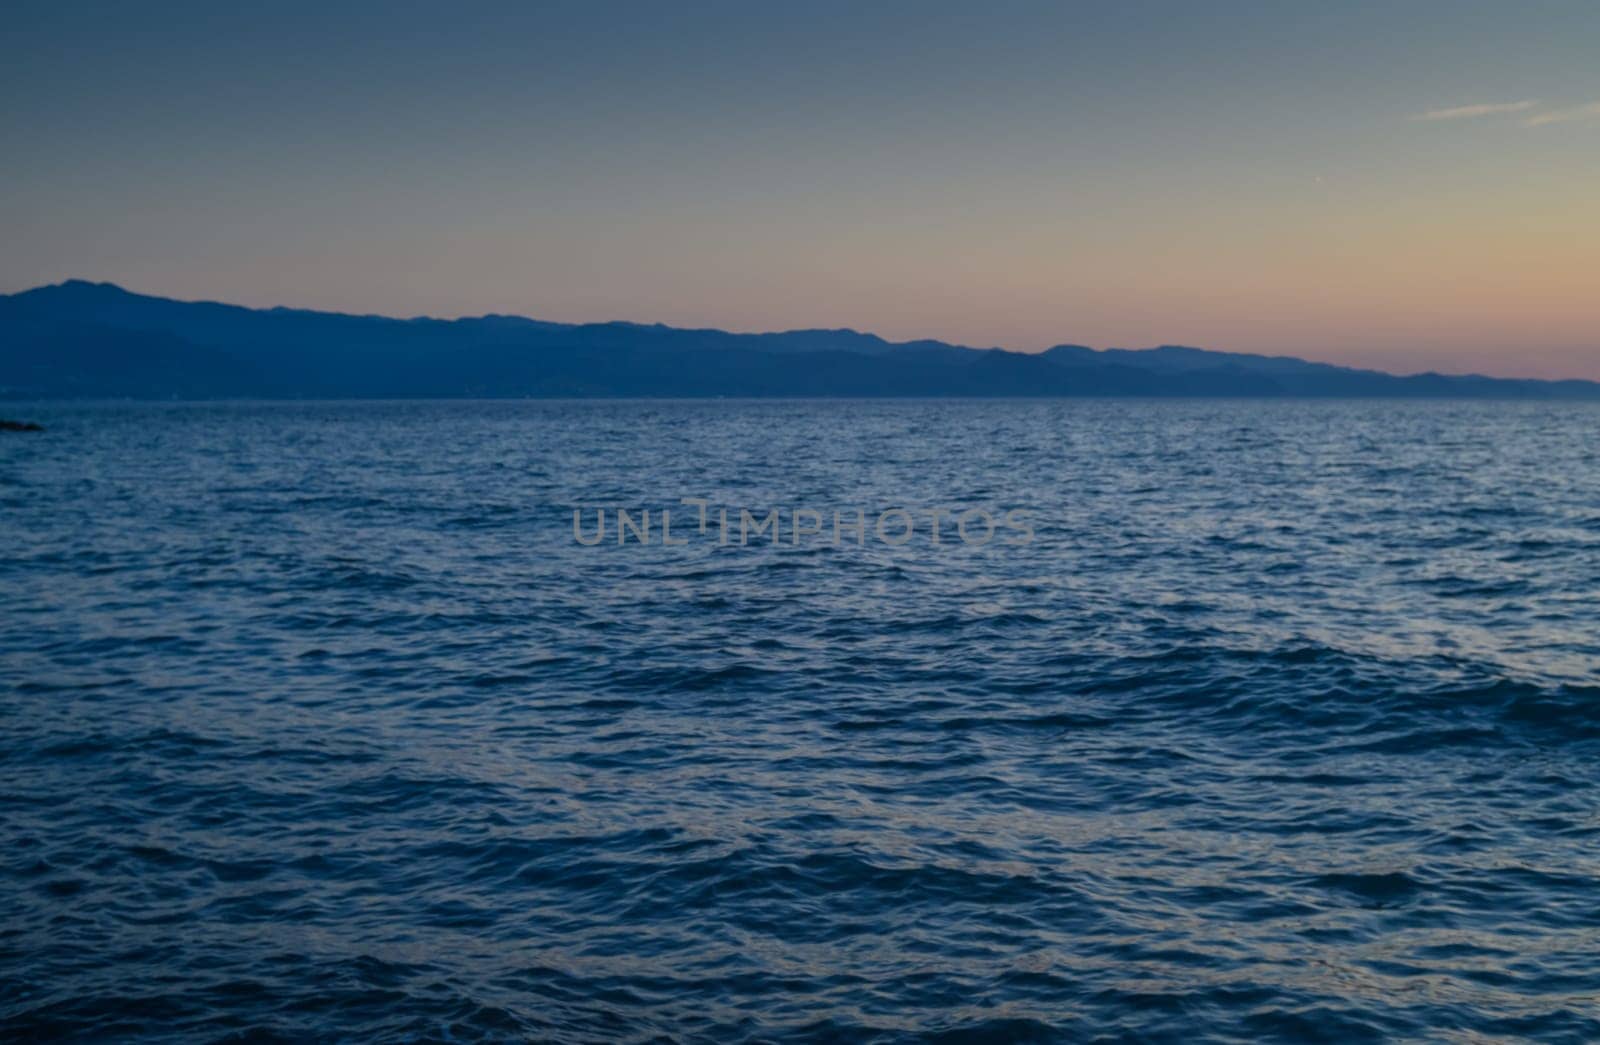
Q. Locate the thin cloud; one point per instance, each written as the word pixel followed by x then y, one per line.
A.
pixel 1472 112
pixel 1577 112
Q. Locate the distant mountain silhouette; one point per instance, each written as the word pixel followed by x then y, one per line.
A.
pixel 79 340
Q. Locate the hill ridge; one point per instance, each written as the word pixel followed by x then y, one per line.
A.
pixel 81 338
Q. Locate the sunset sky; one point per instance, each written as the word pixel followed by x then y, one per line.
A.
pixel 1408 186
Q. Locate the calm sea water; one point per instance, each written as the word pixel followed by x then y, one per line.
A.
pixel 316 722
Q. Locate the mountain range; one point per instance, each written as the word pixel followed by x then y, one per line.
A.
pixel 80 339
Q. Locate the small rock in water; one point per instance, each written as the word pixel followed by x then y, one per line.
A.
pixel 20 426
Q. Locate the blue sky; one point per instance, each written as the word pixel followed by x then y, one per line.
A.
pixel 1405 185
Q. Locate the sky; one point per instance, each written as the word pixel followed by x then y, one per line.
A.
pixel 1404 185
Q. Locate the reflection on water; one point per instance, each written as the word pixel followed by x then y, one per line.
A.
pixel 318 722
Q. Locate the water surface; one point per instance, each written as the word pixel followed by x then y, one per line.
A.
pixel 315 722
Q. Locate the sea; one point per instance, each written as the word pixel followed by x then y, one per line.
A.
pixel 924 720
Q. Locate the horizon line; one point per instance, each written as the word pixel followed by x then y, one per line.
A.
pixel 424 318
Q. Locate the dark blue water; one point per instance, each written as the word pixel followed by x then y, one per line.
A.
pixel 318 724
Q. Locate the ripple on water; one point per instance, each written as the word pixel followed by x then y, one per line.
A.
pixel 318 724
